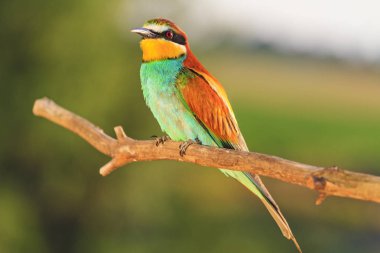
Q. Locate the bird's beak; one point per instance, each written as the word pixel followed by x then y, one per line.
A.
pixel 144 32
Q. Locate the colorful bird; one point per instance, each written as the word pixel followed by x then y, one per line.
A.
pixel 190 104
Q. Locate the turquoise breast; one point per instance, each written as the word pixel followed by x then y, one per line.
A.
pixel 158 80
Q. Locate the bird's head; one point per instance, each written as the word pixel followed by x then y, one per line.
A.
pixel 161 39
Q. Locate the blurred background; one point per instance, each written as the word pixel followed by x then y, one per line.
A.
pixel 303 78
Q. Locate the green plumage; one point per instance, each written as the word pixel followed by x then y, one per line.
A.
pixel 158 81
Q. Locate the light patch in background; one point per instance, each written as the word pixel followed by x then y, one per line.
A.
pixel 344 29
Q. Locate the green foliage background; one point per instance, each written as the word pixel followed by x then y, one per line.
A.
pixel 317 111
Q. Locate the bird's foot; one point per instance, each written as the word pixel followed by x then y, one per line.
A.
pixel 184 145
pixel 161 140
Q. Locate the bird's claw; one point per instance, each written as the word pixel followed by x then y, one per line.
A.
pixel 161 140
pixel 184 145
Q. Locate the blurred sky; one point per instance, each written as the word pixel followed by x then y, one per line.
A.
pixel 348 29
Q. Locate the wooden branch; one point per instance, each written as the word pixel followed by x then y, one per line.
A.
pixel 124 150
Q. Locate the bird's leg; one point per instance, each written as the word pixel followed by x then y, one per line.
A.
pixel 161 140
pixel 184 145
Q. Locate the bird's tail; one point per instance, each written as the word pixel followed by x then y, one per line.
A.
pixel 255 185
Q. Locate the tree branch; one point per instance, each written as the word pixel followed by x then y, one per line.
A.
pixel 124 150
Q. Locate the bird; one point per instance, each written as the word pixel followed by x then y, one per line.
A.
pixel 191 105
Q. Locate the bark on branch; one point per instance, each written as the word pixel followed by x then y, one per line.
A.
pixel 123 150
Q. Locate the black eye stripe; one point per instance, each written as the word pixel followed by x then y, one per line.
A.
pixel 177 38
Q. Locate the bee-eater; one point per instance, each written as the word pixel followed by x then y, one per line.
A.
pixel 190 104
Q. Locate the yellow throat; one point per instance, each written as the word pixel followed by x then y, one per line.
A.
pixel 159 49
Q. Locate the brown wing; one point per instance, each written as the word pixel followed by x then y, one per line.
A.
pixel 211 108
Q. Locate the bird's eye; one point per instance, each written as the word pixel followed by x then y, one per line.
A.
pixel 169 35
